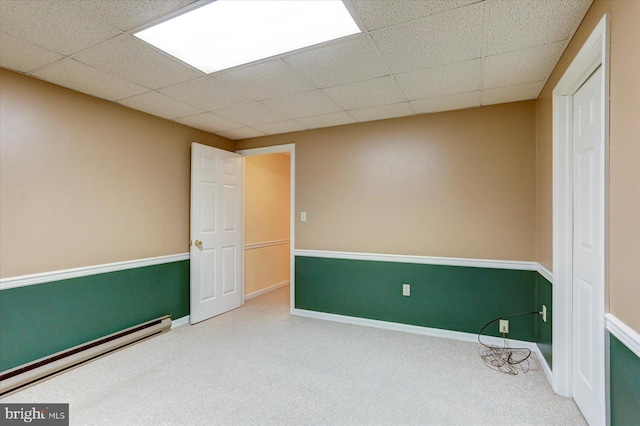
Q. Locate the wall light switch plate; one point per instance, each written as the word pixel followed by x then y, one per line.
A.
pixel 303 216
pixel 406 289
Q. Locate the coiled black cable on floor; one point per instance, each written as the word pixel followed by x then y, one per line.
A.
pixel 505 359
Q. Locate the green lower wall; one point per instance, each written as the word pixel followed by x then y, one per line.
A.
pixel 624 379
pixel 42 319
pixel 544 294
pixel 444 297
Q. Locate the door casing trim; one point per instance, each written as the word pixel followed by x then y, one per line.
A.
pixel 593 54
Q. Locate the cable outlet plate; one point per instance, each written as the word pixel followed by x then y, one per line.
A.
pixel 544 313
pixel 406 289
pixel 504 326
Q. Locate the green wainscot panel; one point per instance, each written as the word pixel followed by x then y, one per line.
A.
pixel 39 320
pixel 444 297
pixel 624 375
pixel 544 296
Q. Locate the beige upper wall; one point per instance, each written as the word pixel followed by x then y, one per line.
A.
pixel 84 181
pixel 624 154
pixel 457 184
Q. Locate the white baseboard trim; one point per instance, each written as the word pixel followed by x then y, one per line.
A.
pixel 628 336
pixel 426 260
pixel 266 290
pixel 425 331
pixel 180 322
pixel 543 362
pixel 65 274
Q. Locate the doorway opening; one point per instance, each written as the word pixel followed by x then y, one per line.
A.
pixel 268 219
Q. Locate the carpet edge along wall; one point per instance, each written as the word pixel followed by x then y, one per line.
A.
pixel 42 319
pixel 456 298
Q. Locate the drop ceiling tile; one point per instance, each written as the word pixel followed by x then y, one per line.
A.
pixel 364 94
pixel 206 93
pixel 377 14
pixel 447 103
pixel 136 61
pixel 353 59
pixel 515 25
pixel 439 81
pixel 265 80
pixel 521 66
pixel 61 26
pixel 304 104
pixel 209 122
pixel 127 14
pixel 416 40
pixel 327 120
pixel 251 114
pixel 281 127
pixel 382 112
pixel 520 92
pixel 83 78
pixel 449 37
pixel 158 104
pixel 243 133
pixel 23 56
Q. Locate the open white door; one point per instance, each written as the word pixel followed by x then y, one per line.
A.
pixel 216 232
pixel 588 251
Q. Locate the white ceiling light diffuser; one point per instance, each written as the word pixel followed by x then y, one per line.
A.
pixel 228 33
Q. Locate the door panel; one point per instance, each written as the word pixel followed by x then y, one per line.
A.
pixel 229 261
pixel 584 327
pixel 207 276
pixel 208 198
pixel 585 188
pixel 216 232
pixel 588 251
pixel 229 208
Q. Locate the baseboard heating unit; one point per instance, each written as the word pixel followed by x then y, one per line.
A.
pixel 43 368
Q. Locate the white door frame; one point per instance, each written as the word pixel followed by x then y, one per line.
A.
pixel 594 53
pixel 291 149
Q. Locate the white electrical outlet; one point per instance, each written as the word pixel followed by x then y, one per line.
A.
pixel 544 313
pixel 406 289
pixel 504 326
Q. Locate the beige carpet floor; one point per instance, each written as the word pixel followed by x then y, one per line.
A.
pixel 259 365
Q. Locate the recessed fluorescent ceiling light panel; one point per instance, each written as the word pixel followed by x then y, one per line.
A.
pixel 227 33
